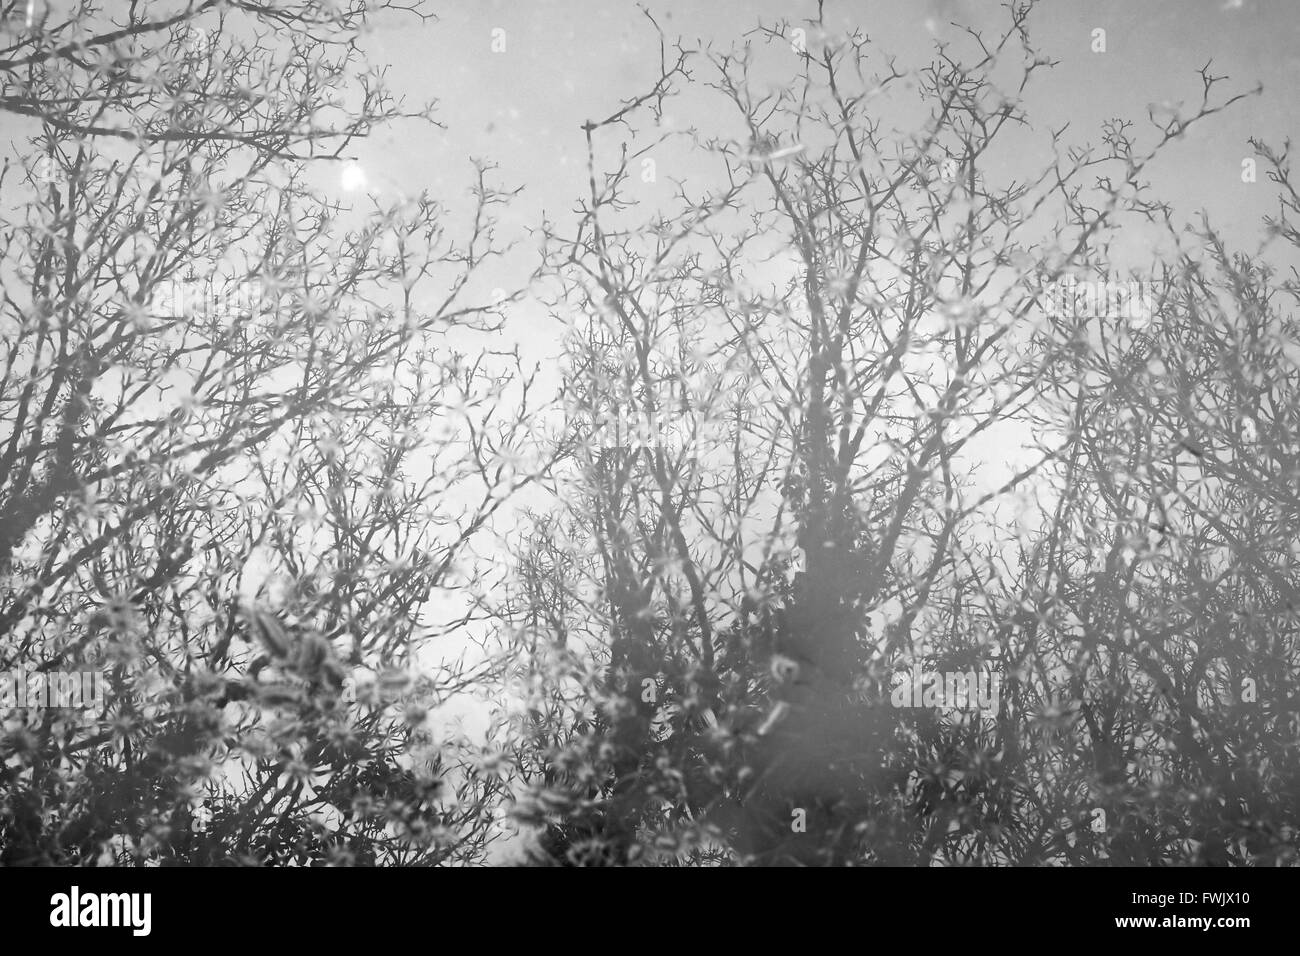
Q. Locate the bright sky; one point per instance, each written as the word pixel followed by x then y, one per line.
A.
pixel 566 61
pixel 515 81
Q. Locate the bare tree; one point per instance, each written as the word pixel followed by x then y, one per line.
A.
pixel 1162 591
pixel 245 452
pixel 779 393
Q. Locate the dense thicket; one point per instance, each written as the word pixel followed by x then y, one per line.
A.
pixel 847 407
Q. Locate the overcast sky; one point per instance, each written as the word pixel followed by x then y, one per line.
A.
pixel 566 61
pixel 569 60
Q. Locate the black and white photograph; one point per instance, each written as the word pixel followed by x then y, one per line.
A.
pixel 679 433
